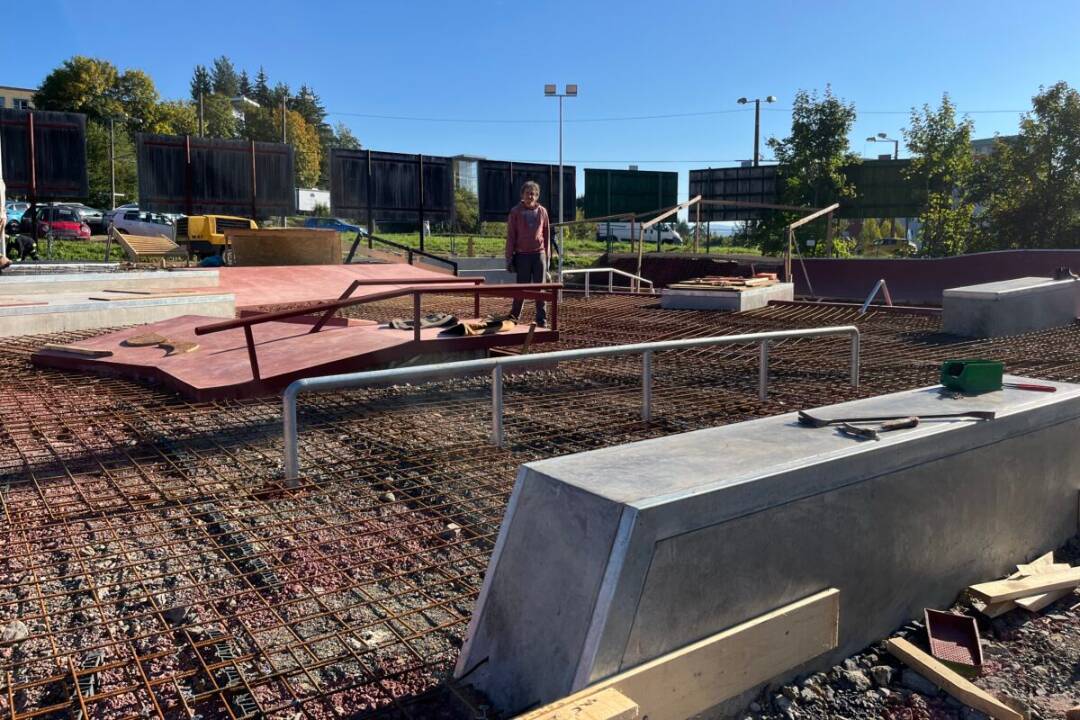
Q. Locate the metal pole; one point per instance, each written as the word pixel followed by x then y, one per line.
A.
pixel 763 372
pixel 288 415
pixel 112 163
pixel 646 386
pixel 3 203
pixel 284 137
pixel 757 128
pixel 497 406
pixel 201 131
pixel 855 359
pixel 561 203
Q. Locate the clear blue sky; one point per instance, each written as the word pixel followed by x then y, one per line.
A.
pixel 470 60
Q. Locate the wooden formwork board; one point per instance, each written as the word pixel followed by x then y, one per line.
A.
pixel 291 246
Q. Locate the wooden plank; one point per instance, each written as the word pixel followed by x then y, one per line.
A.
pixel 949 681
pixel 607 704
pixel 1035 603
pixel 703 674
pixel 813 216
pixel 1029 569
pixel 156 295
pixel 999 590
pixel 993 610
pixel 1037 566
pixel 77 350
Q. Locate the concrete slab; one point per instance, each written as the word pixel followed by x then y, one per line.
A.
pixel 1010 307
pixel 33 314
pixel 729 300
pixel 610 558
pixel 88 282
pixel 221 369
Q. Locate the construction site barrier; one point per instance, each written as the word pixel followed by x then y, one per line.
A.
pixel 496 365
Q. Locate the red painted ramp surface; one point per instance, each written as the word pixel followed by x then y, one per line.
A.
pixel 296 284
pixel 220 368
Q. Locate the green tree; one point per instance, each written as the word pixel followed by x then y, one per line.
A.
pixel 262 89
pixel 97 162
pixel 83 85
pixel 811 160
pixel 1029 186
pixel 244 84
pixel 200 83
pixel 223 77
pixel 466 210
pixel 220 122
pixel 176 117
pixel 138 98
pixel 344 138
pixel 307 103
pixel 943 164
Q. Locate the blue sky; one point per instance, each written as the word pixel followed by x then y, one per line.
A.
pixel 477 60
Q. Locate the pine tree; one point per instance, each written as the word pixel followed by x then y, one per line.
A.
pixel 200 83
pixel 262 89
pixel 224 78
pixel 244 84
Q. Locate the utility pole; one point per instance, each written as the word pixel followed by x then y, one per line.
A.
pixel 757 122
pixel 284 138
pixel 201 132
pixel 112 162
pixel 551 91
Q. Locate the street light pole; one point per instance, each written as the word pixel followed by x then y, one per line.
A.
pixel 112 163
pixel 570 90
pixel 757 122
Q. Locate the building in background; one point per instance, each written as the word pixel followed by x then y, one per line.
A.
pixel 16 98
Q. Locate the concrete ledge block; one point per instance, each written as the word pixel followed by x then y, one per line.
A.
pixel 1009 307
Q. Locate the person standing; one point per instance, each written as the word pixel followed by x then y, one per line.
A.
pixel 527 231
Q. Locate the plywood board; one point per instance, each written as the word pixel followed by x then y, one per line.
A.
pixel 288 246
pixel 706 673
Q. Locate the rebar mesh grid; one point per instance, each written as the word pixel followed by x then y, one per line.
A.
pixel 155 565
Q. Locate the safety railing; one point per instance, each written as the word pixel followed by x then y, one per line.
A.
pixel 496 367
pixel 611 273
pixel 410 252
pixel 452 286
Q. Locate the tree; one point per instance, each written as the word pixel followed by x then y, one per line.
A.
pixel 466 209
pixel 83 85
pixel 344 138
pixel 200 83
pixel 279 93
pixel 305 142
pixel 307 103
pixel 811 159
pixel 97 162
pixel 942 164
pixel 262 89
pixel 244 84
pixel 138 98
pixel 223 77
pixel 219 118
pixel 1029 186
pixel 176 117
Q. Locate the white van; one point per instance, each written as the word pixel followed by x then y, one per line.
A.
pixel 620 231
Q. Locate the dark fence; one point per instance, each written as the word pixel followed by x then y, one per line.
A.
pixel 500 187
pixel 194 175
pixel 614 192
pixel 881 190
pixel 44 154
pixel 735 184
pixel 391 187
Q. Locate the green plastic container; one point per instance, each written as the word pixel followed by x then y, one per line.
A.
pixel 972 377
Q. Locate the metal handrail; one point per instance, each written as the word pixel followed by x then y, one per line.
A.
pixel 611 272
pixel 409 251
pixel 496 365
pixel 873 293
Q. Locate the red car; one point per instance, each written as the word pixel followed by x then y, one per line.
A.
pixel 62 222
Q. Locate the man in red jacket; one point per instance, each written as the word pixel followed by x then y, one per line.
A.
pixel 527 231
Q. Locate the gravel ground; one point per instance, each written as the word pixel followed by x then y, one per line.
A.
pixel 1031 663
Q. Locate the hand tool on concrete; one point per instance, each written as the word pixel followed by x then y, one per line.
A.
pixel 1030 386
pixel 811 421
pixel 858 432
pixel 901 424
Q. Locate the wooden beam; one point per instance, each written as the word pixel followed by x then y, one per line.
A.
pixel 692 201
pixel 1035 603
pixel 701 675
pixel 949 681
pixel 813 216
pixel 607 704
pixel 1000 590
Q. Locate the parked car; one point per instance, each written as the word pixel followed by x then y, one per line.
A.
pixel 58 220
pixel 333 223
pixel 887 247
pixel 14 211
pixel 91 216
pixel 624 231
pixel 109 215
pixel 141 222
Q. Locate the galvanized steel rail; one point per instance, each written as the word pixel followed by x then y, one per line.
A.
pixel 496 365
pixel 611 273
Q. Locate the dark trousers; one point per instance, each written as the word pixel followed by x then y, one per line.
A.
pixel 530 269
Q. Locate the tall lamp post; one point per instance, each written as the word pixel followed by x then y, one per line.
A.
pixel 883 137
pixel 757 120
pixel 569 91
pixel 112 157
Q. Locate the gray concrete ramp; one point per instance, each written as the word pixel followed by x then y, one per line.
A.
pixel 610 558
